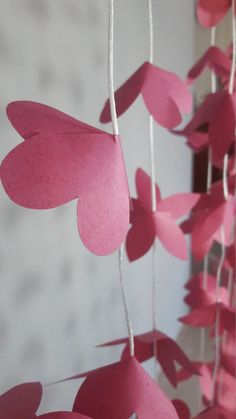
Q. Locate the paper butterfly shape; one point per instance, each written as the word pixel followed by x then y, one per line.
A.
pixel 212 12
pixel 21 402
pixel 213 125
pixel 63 415
pixel 119 390
pixel 161 224
pixel 182 409
pixel 214 59
pixel 63 159
pixel 168 352
pixel 165 95
pixel 205 315
pixel 212 214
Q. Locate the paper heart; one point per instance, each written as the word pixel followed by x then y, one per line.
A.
pixel 148 225
pixel 63 159
pixel 21 402
pixel 168 352
pixel 120 390
pixel 212 12
pixel 164 93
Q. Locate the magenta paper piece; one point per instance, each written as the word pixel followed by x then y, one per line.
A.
pixel 206 316
pixel 120 390
pixel 210 214
pixel 196 282
pixel 168 352
pixel 63 415
pixel 212 12
pixel 63 159
pixel 228 361
pixel 164 93
pixel 214 59
pixel 182 409
pixel 21 402
pixel 146 225
pixel 213 121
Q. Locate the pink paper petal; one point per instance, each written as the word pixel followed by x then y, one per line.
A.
pixel 143 187
pixel 50 169
pixel 215 59
pixel 182 409
pixel 21 401
pixel 119 390
pixel 200 317
pixel 179 204
pixel 165 95
pixel 170 235
pixel 211 12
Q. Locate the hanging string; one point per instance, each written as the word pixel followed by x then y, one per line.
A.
pixel 153 187
pixel 116 133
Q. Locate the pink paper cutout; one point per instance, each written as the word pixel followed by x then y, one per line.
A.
pixel 182 409
pixel 213 120
pixel 210 214
pixel 164 93
pixel 214 59
pixel 215 412
pixel 212 12
pixel 121 389
pixel 146 225
pixel 196 282
pixel 21 402
pixel 228 362
pixel 205 316
pixel 63 159
pixel 168 352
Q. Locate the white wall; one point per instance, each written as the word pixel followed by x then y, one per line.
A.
pixel 57 300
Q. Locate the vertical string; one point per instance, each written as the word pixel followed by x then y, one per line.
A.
pixel 116 133
pixel 153 186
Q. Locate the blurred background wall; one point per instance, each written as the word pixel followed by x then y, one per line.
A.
pixel 57 300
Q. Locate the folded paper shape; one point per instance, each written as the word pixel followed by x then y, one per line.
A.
pixel 165 95
pixel 21 401
pixel 167 352
pixel 214 59
pixel 148 225
pixel 212 12
pixel 216 412
pixel 63 159
pixel 213 125
pixel 119 390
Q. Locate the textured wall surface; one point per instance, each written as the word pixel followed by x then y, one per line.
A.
pixel 57 300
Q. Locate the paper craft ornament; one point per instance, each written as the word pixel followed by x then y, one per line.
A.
pixel 212 214
pixel 63 159
pixel 212 12
pixel 148 225
pixel 215 412
pixel 214 59
pixel 213 125
pixel 168 352
pixel 182 409
pixel 119 390
pixel 21 402
pixel 165 95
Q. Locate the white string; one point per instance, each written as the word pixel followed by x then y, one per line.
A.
pixel 116 132
pixel 213 75
pixel 153 188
